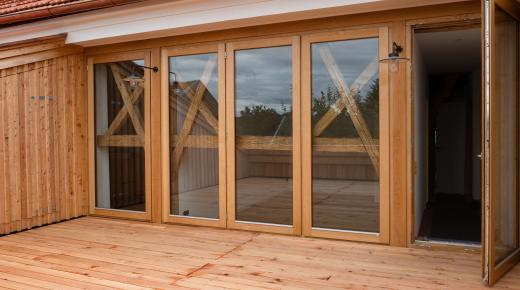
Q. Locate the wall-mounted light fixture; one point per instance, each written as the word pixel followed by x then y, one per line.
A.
pixel 394 57
pixel 175 83
pixel 134 80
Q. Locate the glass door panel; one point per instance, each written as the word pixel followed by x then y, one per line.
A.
pixel 193 136
pixel 263 119
pixel 345 118
pixel 262 91
pixel 119 100
pixel 505 135
pixel 195 183
pixel 346 189
pixel 501 218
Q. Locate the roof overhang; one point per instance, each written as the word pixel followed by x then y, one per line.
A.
pixel 160 18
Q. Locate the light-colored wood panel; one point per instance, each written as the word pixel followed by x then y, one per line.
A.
pixel 155 138
pixel 39 56
pixel 99 253
pixel 44 143
pixel 398 141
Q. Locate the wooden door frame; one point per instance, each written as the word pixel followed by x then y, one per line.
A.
pixel 166 53
pixel 382 34
pixel 445 23
pixel 231 47
pixel 115 57
pixel 491 272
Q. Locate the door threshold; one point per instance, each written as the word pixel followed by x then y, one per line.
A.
pixel 447 245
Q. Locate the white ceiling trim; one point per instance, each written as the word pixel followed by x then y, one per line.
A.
pixel 159 18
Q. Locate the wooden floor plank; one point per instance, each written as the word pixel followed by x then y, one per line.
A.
pixel 100 253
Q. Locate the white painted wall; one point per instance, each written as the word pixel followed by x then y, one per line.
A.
pixel 160 18
pixel 420 92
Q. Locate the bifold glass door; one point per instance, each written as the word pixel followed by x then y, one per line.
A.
pixel 119 102
pixel 345 115
pixel 193 113
pixel 501 248
pixel 238 135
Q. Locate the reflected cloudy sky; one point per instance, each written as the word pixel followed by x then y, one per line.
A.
pixel 190 68
pixel 352 57
pixel 263 76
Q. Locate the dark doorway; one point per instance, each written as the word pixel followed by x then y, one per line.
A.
pixel 447 77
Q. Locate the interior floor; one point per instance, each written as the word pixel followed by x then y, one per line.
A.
pixel 451 218
pixel 448 135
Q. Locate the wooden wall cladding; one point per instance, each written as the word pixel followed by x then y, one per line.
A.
pixel 43 143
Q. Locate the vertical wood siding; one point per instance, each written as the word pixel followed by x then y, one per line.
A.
pixel 43 143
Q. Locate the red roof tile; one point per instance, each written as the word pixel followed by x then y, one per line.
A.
pixel 17 6
pixel 17 11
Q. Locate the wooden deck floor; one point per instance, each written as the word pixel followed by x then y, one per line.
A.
pixel 99 253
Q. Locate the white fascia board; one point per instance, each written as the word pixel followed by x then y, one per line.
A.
pixel 159 18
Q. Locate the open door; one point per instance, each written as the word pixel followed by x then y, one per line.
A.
pixel 501 143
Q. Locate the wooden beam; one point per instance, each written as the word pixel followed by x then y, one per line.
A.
pixel 341 103
pixel 347 101
pixel 24 50
pixel 119 141
pixel 40 56
pixel 132 110
pixel 275 144
pixel 203 108
pixel 197 141
pixel 122 115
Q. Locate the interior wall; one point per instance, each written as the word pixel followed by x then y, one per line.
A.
pixel 420 94
pixel 43 144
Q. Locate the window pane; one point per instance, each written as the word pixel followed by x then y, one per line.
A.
pixel 119 129
pixel 505 135
pixel 194 136
pixel 345 146
pixel 263 120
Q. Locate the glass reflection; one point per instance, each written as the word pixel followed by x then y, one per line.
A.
pixel 194 136
pixel 120 175
pixel 345 150
pixel 263 120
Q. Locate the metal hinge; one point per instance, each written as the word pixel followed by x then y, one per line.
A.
pixel 225 54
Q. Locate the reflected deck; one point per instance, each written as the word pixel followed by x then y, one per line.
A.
pixel 337 203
